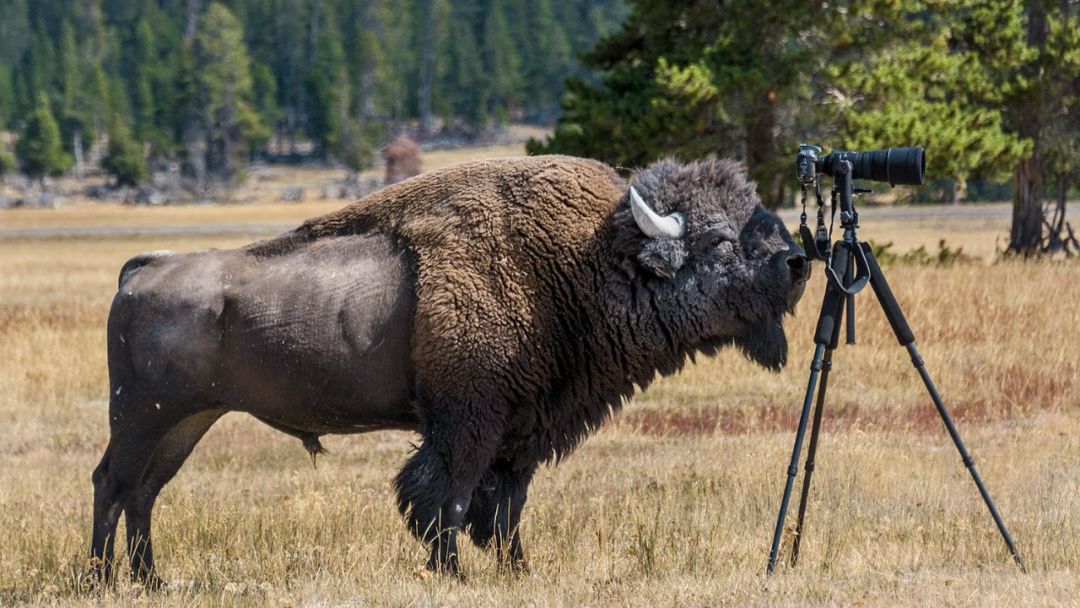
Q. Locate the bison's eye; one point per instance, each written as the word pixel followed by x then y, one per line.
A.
pixel 716 236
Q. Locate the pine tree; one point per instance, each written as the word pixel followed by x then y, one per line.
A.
pixel 922 92
pixel 7 96
pixel 291 67
pixel 426 37
pixel 70 68
pixel 501 62
pixel 124 161
pixel 141 82
pixel 265 93
pixel 463 80
pixel 479 62
pixel 548 59
pixel 14 32
pixel 8 164
pixel 223 84
pixel 1043 39
pixel 39 149
pixel 751 79
pixel 329 86
pixel 37 71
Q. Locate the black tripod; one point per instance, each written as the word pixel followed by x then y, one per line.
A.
pixel 849 267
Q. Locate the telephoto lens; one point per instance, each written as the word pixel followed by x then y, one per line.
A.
pixel 893 165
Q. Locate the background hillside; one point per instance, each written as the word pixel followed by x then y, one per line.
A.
pixel 212 83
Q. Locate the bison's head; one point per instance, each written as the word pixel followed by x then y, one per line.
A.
pixel 723 268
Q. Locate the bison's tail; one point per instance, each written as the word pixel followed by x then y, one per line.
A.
pixel 138 262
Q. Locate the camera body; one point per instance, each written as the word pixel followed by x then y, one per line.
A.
pixel 806 163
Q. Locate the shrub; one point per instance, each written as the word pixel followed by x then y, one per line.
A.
pixel 124 159
pixel 39 150
pixel 7 162
pixel 920 256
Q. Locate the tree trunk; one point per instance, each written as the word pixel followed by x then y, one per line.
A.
pixel 761 152
pixel 76 147
pixel 1062 198
pixel 957 190
pixel 1025 237
pixel 1027 217
pixel 427 68
pixel 368 18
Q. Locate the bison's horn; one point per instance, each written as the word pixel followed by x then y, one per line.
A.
pixel 670 226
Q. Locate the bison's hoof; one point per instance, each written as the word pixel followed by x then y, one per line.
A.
pixel 432 572
pixel 95 577
pixel 516 567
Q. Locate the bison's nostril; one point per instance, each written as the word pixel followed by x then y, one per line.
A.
pixel 799 265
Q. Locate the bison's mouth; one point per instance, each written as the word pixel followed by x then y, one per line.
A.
pixel 765 344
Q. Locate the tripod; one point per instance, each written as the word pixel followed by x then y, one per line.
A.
pixel 849 268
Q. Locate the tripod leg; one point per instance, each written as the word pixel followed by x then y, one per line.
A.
pixel 808 469
pixel 907 339
pixel 793 467
pixel 827 324
pixel 823 385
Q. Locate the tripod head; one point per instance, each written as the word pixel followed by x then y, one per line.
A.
pixel 892 165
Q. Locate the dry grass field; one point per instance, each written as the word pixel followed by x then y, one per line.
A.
pixel 670 505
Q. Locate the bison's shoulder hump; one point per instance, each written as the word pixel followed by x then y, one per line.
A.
pixel 537 188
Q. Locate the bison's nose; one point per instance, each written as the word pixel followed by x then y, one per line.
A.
pixel 799 267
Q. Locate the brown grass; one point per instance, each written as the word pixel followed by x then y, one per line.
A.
pixel 673 504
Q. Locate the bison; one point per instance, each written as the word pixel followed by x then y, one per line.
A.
pixel 502 309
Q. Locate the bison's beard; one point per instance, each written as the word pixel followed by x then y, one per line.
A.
pixel 765 344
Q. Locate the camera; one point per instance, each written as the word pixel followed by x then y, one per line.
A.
pixel 893 165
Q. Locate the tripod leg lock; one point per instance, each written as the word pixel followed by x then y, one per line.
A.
pixel 816 365
pixel 917 360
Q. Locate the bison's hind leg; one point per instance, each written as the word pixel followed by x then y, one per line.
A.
pixel 114 479
pixel 148 443
pixel 495 510
pixel 106 514
pixel 166 460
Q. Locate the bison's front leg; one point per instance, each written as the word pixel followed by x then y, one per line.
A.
pixel 495 510
pixel 436 484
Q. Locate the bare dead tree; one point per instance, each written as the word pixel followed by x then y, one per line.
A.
pixel 1059 235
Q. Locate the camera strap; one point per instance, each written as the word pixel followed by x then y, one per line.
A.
pixel 816 244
